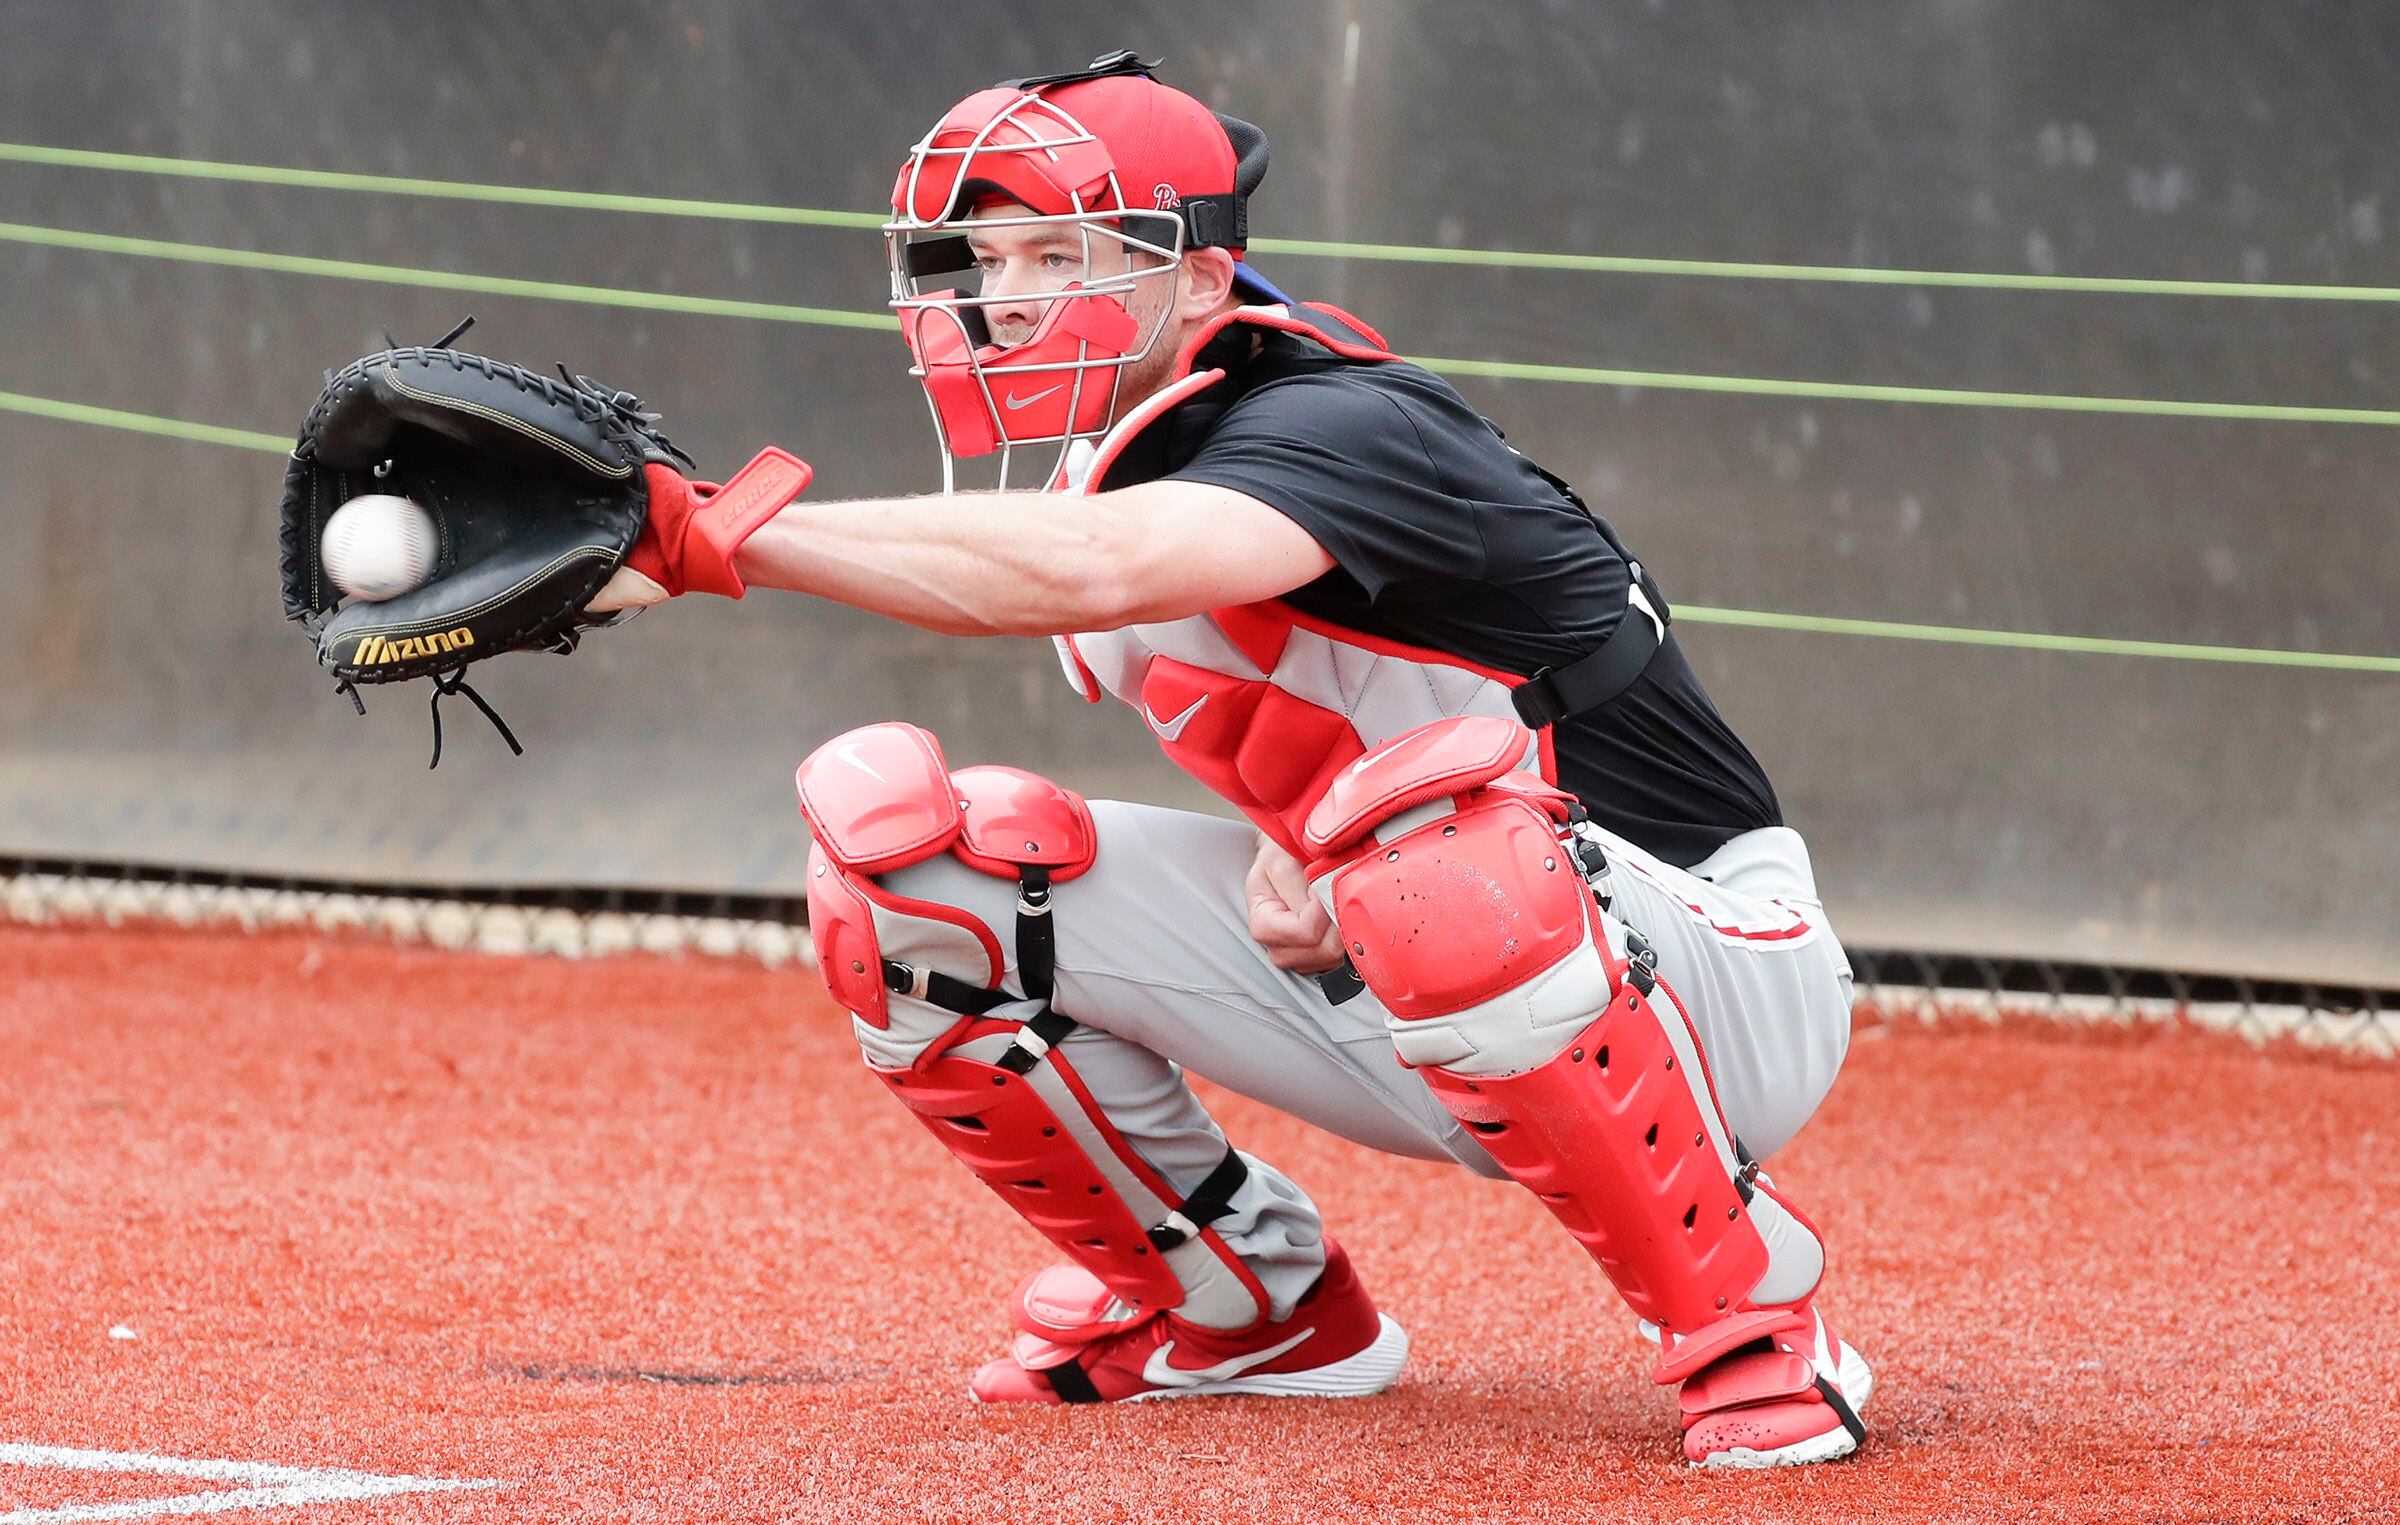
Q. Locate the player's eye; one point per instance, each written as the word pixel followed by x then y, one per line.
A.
pixel 1061 262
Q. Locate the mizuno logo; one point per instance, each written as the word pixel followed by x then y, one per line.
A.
pixel 1012 401
pixel 376 650
pixel 1172 730
pixel 1160 1371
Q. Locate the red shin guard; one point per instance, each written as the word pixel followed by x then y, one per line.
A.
pixel 1002 1128
pixel 1610 1136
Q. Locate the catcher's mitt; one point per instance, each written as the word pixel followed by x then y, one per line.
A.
pixel 536 488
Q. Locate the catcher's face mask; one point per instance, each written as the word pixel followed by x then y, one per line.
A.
pixel 1038 234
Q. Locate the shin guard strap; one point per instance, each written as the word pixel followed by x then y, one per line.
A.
pixel 941 989
pixel 1071 1383
pixel 1210 1200
pixel 1036 1039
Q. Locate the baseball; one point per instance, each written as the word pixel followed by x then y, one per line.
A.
pixel 378 546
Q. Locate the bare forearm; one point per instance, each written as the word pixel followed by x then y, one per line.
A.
pixel 975 564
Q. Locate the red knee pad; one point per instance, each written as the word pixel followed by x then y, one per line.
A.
pixel 882 798
pixel 1489 902
pixel 1452 885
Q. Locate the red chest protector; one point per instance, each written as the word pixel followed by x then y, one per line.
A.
pixel 1260 702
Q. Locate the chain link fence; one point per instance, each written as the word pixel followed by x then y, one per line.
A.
pixel 1902 986
pixel 507 921
pixel 1896 987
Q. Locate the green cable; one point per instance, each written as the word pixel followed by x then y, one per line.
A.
pixel 831 317
pixel 1698 614
pixel 448 190
pixel 1854 275
pixel 1307 248
pixel 441 280
pixel 1514 370
pixel 2024 640
pixel 144 423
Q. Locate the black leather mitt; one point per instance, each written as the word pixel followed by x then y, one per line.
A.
pixel 536 489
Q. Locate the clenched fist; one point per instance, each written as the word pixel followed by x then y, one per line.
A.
pixel 1285 918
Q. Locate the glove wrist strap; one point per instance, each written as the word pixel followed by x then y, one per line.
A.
pixel 723 520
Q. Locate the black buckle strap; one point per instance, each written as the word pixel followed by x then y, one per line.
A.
pixel 1745 1175
pixel 1210 1200
pixel 1122 61
pixel 942 990
pixel 1216 222
pixel 1037 1037
pixel 1037 969
pixel 1037 940
pixel 1590 856
pixel 1071 1382
pixel 1600 675
pixel 1641 962
pixel 1342 983
pixel 1034 1040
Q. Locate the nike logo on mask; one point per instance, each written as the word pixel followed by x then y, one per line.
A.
pixel 1172 730
pixel 1159 1371
pixel 848 752
pixel 1012 401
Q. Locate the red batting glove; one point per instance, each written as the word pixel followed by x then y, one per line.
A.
pixel 694 528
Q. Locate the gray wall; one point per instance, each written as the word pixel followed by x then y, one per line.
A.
pixel 2122 809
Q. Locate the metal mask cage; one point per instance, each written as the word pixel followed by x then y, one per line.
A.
pixel 1030 114
pixel 921 255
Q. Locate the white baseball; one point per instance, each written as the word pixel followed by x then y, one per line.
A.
pixel 378 546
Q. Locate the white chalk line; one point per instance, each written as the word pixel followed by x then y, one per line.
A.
pixel 268 1486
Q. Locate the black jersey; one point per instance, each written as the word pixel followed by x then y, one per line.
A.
pixel 1445 538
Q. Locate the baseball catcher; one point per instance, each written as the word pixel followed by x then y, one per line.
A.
pixel 1495 824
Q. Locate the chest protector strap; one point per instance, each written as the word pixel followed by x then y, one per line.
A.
pixel 1599 675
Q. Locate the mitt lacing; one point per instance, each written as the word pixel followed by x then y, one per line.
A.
pixel 456 683
pixel 443 683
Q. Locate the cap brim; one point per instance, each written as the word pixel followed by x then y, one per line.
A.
pixel 1255 286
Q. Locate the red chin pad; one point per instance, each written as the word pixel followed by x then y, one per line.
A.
pixel 1024 403
pixel 942 352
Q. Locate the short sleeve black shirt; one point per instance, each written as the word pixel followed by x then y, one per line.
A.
pixel 1444 537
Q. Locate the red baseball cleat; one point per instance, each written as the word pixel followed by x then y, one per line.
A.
pixel 1077 1344
pixel 1780 1402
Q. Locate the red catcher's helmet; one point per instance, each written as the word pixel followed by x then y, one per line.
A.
pixel 1138 170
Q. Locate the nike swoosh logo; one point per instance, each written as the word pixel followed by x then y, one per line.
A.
pixel 849 754
pixel 1159 1371
pixel 1172 730
pixel 1012 401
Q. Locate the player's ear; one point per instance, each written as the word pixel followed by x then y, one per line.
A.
pixel 1207 282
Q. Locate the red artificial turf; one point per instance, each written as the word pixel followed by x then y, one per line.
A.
pixel 638 1240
